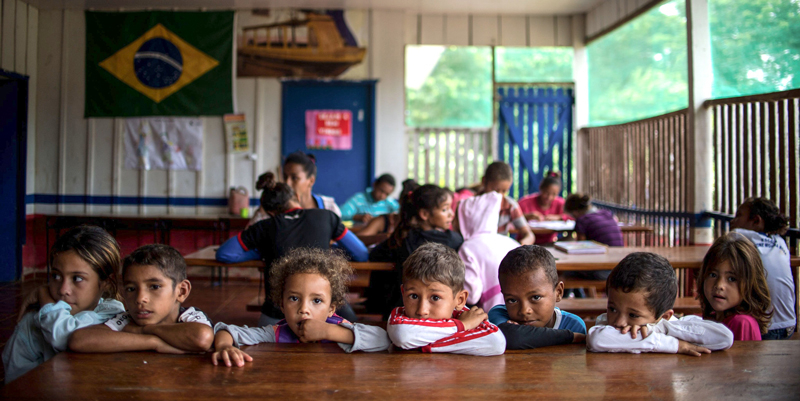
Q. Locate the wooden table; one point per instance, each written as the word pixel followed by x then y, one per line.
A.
pixel 207 257
pixel 684 257
pixel 749 370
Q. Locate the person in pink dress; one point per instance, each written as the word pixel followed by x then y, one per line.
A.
pixel 732 287
pixel 545 205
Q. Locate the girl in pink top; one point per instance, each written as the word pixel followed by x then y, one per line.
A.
pixel 732 288
pixel 545 205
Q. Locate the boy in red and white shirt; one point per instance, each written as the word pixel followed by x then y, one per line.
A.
pixel 433 316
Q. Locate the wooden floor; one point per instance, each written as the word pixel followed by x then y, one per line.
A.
pixel 221 303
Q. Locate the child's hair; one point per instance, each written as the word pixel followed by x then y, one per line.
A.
pixel 426 197
pixel 774 221
pixel 387 178
pixel 745 260
pixel 306 160
pixel 330 264
pixel 275 195
pixel 528 259
pixel 577 203
pixel 97 248
pixel 164 257
pixel 649 273
pixel 434 262
pixel 550 178
pixel 498 171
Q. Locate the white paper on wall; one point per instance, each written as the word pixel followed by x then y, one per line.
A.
pixel 164 143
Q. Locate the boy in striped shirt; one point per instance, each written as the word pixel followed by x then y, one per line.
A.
pixel 434 317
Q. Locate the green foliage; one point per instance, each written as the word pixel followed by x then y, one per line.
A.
pixel 640 69
pixel 533 64
pixel 755 46
pixel 457 93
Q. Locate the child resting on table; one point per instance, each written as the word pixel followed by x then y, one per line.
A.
pixel 425 216
pixel 732 288
pixel 154 286
pixel 761 222
pixel 82 291
pixel 529 318
pixel 308 285
pixel 433 316
pixel 641 292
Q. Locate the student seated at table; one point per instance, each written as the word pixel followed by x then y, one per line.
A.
pixel 497 178
pixel 372 202
pixel 425 216
pixel 641 292
pixel 529 317
pixel 308 284
pixel 82 291
pixel 545 205
pixel 386 223
pixel 761 222
pixel 433 316
pixel 289 227
pixel 732 288
pixel 154 287
pixel 483 248
pixel 300 173
pixel 594 225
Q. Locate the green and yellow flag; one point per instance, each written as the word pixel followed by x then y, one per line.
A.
pixel 159 63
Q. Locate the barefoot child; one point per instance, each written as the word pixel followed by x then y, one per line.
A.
pixel 433 316
pixel 308 285
pixel 732 288
pixel 154 286
pixel 82 291
pixel 641 292
pixel 529 317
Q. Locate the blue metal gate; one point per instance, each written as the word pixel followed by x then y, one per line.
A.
pixel 535 135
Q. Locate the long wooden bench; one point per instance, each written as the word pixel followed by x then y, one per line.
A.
pixel 592 307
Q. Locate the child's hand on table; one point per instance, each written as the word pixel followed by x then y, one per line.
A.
pixel 634 329
pixel 230 354
pixel 691 349
pixel 578 338
pixel 473 318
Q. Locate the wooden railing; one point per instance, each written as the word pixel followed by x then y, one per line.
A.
pixel 756 142
pixel 641 165
pixel 448 157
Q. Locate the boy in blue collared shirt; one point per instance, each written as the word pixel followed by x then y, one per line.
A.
pixel 373 202
pixel 530 286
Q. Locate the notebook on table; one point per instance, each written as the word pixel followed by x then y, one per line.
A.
pixel 580 247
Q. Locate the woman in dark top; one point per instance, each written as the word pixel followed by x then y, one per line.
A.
pixel 425 216
pixel 289 227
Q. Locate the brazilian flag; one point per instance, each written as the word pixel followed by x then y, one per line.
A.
pixel 159 63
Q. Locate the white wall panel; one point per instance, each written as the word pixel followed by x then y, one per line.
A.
pixel 358 21
pixel 48 102
pixel 390 138
pixel 410 26
pixel 31 56
pixel 456 30
pixel 610 12
pixel 542 30
pixel 268 125
pixel 485 30
pixel 72 103
pixel 513 31
pixel 21 38
pixel 8 32
pixel 432 29
pixel 563 31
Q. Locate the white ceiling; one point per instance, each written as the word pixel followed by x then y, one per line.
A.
pixel 546 7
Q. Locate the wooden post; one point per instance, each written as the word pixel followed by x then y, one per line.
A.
pixel 580 75
pixel 700 145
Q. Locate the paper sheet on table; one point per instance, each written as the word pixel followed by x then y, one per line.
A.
pixel 568 225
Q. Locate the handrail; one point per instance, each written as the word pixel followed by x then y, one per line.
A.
pixel 644 120
pixel 790 94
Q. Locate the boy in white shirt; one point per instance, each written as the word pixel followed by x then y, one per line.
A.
pixel 641 293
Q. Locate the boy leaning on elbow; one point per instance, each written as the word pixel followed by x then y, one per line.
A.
pixel 641 293
pixel 154 286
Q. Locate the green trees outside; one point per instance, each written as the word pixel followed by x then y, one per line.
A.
pixel 533 64
pixel 755 46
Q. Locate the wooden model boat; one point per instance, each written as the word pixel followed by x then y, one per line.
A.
pixel 312 47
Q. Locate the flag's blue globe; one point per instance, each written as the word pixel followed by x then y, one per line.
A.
pixel 158 63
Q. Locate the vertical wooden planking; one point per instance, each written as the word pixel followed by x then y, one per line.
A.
pixel 21 38
pixel 91 135
pixel 456 32
pixel 563 30
pixel 485 30
pixel 513 30
pixel 411 25
pixel 782 134
pixel 764 148
pixel 794 173
pixel 116 163
pixel 756 149
pixel 541 31
pixel 7 41
pixel 747 148
pixel 774 139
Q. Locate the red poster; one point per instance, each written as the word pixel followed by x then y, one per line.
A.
pixel 329 129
